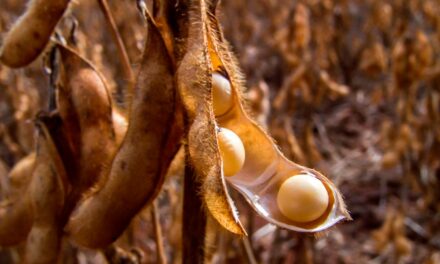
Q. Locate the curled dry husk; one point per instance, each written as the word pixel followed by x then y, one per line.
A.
pixel 138 169
pixel 193 80
pixel 30 34
pixel 265 167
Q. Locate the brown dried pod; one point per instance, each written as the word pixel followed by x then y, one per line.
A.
pixel 194 85
pixel 20 175
pixel 15 213
pixel 15 221
pixel 267 176
pixel 138 169
pixel 85 107
pixel 30 34
pixel 47 195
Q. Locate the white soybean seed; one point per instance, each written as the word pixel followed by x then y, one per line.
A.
pixel 302 198
pixel 232 152
pixel 221 94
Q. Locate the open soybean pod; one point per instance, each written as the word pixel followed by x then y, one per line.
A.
pixel 15 213
pixel 282 192
pixel 138 169
pixel 194 85
pixel 29 35
pixel 85 107
pixel 47 196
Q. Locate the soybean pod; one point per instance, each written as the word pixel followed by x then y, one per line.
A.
pixel 138 169
pixel 30 34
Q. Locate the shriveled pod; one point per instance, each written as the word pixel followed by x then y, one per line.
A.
pixel 15 213
pixel 282 192
pixel 47 196
pixel 30 34
pixel 138 169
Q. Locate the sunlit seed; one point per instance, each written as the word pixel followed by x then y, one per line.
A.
pixel 232 152
pixel 221 94
pixel 302 198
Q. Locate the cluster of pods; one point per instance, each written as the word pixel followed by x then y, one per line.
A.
pixel 95 168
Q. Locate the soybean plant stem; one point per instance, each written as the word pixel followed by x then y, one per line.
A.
pixel 122 51
pixel 194 219
pixel 248 248
pixel 161 256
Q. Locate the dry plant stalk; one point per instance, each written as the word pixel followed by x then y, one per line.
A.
pixel 194 216
pixel 122 51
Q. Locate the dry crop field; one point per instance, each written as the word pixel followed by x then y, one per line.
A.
pixel 206 131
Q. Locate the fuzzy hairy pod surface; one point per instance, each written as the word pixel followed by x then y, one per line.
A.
pixel 265 168
pixel 138 169
pixel 30 34
pixel 194 85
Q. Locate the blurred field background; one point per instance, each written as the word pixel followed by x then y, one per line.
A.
pixel 351 88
